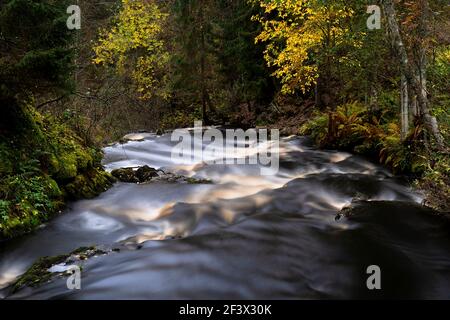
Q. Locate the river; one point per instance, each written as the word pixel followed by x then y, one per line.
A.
pixel 245 236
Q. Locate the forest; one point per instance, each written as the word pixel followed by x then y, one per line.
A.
pixel 366 81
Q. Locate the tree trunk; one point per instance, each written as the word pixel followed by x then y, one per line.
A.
pixel 399 46
pixel 204 92
pixel 404 103
pixel 419 87
pixel 421 81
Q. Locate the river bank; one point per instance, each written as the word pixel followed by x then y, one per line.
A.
pixel 44 164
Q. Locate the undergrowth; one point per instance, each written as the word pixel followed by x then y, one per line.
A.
pixel 43 164
pixel 376 134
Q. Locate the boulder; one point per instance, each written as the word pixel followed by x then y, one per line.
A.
pixel 146 173
pixel 125 175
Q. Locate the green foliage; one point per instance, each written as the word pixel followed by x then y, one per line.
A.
pixel 6 165
pixel 4 210
pixel 192 49
pixel 316 127
pixel 351 127
pixel 439 86
pixel 348 128
pixel 215 61
pixel 28 202
pixel 436 182
pixel 43 165
pixel 240 59
pixel 407 156
pixel 34 46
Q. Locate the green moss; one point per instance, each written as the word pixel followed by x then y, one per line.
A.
pixel 38 273
pixel 42 164
pixel 89 184
pixel 29 202
pixel 82 250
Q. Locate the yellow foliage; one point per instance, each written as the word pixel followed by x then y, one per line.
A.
pixel 301 31
pixel 134 45
pixel 443 56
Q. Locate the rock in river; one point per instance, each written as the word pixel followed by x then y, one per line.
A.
pixel 130 175
pixel 125 175
pixel 147 174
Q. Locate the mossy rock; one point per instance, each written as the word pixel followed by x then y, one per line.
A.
pixel 124 175
pixel 53 189
pixel 89 184
pixel 39 272
pixel 146 173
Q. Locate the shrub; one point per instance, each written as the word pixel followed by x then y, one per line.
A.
pixel 353 128
pixel 435 183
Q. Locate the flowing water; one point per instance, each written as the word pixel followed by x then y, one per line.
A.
pixel 245 236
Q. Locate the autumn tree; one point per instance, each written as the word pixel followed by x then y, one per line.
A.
pixel 304 41
pixel 135 48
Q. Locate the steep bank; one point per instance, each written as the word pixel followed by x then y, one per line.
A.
pixel 42 165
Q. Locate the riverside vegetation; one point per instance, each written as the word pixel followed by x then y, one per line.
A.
pixel 44 164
